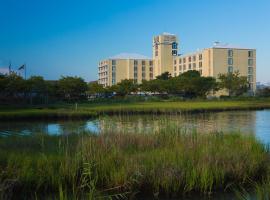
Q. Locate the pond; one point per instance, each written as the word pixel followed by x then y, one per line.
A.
pixel 247 122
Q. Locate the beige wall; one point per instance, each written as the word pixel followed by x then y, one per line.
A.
pixel 162 53
pixel 209 62
pixel 215 61
pixel 124 69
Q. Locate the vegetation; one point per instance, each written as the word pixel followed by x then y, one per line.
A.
pixel 234 84
pixel 83 110
pixel 36 90
pixel 167 162
pixel 264 92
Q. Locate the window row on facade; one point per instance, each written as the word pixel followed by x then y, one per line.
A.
pixel 189 59
pixel 250 53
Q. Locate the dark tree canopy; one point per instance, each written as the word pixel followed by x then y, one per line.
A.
pixel 235 84
pixel 164 76
pixel 72 88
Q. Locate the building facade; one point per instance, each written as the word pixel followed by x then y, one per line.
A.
pixel 218 59
pixel 125 66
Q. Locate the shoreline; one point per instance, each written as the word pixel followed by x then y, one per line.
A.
pixel 88 111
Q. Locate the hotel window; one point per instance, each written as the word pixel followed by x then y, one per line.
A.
pixel 180 67
pixel 250 78
pixel 135 62
pixel 113 62
pixel 113 68
pixel 143 62
pixel 184 67
pixel 180 61
pixel 250 54
pixel 194 65
pixel 189 66
pixel 174 45
pixel 143 75
pixel 230 69
pixel 175 62
pixel 143 68
pixel 151 75
pixel 189 59
pixel 230 53
pixel 135 75
pixel 150 62
pixel 150 69
pixel 200 57
pixel 200 64
pixel 250 70
pixel 230 61
pixel 174 68
pixel 184 60
pixel 135 68
pixel 194 58
pixel 250 62
pixel 174 52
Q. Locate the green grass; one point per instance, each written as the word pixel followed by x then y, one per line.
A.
pixel 93 109
pixel 116 164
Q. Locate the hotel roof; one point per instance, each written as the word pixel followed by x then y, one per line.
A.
pixel 218 45
pixel 130 56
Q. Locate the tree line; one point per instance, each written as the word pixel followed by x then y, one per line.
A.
pixel 187 85
pixel 36 90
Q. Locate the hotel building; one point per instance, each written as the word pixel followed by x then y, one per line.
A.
pixel 218 59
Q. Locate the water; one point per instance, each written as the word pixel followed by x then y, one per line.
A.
pixel 247 122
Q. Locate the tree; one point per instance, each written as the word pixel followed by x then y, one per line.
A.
pixel 95 88
pixel 125 87
pixel 72 88
pixel 164 76
pixel 36 87
pixel 155 86
pixel 264 92
pixel 190 84
pixel 15 86
pixel 235 85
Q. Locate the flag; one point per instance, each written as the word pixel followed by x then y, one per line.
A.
pixel 21 67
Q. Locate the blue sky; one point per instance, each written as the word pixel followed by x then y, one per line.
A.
pixel 67 37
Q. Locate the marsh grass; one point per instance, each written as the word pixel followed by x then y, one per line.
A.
pixel 88 110
pixel 116 165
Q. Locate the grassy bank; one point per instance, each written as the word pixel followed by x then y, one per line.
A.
pixel 93 109
pixel 114 164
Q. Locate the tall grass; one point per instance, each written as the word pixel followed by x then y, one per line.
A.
pixel 114 164
pixel 93 109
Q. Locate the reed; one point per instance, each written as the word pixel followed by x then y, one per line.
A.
pixel 116 164
pixel 87 110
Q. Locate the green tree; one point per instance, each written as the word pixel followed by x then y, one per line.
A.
pixel 36 87
pixel 125 87
pixel 235 84
pixel 15 86
pixel 264 92
pixel 95 88
pixel 154 86
pixel 191 85
pixel 164 76
pixel 72 88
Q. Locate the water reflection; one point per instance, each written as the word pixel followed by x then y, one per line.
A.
pixel 249 122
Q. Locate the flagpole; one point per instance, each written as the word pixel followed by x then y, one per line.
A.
pixel 9 68
pixel 24 71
